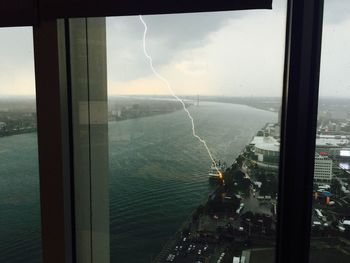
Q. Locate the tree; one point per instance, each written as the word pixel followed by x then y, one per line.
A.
pixel 240 160
pixel 336 187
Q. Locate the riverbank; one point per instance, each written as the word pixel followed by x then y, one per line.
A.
pixel 234 217
pixel 159 172
pixel 18 131
pixel 126 108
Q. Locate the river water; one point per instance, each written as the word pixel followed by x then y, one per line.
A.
pixel 158 175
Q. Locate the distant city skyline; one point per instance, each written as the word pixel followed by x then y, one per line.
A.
pixel 236 54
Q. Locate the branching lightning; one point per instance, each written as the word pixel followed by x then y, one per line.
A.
pixel 166 82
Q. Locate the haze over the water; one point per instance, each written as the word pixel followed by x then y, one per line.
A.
pixel 238 53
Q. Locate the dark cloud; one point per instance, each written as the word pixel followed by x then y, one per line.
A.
pixel 167 36
pixel 186 30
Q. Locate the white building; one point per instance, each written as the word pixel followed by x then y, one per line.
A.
pixel 265 147
pixel 323 169
pixel 267 152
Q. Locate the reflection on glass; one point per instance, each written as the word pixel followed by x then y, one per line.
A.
pixel 330 240
pixel 19 179
pixel 168 200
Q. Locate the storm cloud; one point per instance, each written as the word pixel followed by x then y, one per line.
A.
pixel 167 36
pixel 224 53
pixel 239 53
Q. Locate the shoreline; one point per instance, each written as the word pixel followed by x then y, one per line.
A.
pixel 202 226
pixel 149 115
pixel 8 134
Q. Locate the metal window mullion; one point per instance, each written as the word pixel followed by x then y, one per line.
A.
pixel 53 142
pixel 88 76
pixel 299 119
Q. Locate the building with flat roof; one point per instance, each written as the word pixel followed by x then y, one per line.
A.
pixel 335 146
pixel 323 169
pixel 267 150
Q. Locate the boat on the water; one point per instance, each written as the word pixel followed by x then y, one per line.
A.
pixel 216 170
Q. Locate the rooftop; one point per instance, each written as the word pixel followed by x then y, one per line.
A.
pixel 331 141
pixel 266 143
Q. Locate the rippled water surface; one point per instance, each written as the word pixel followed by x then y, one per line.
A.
pixel 158 171
pixel 158 175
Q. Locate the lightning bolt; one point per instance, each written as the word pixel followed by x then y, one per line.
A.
pixel 166 82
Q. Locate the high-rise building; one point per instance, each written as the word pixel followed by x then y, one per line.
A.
pixel 323 169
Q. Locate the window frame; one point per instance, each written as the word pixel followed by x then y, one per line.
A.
pixel 34 12
pixel 55 142
pixel 298 129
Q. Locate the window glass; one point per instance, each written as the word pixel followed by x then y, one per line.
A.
pixel 20 238
pixel 331 200
pixel 175 196
pixel 177 135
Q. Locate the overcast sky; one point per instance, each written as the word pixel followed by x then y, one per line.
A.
pixel 237 53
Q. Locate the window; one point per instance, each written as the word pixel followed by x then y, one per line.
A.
pixel 330 229
pixel 20 238
pixel 165 196
pixel 73 116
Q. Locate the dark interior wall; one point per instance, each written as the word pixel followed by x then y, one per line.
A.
pixel 30 12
